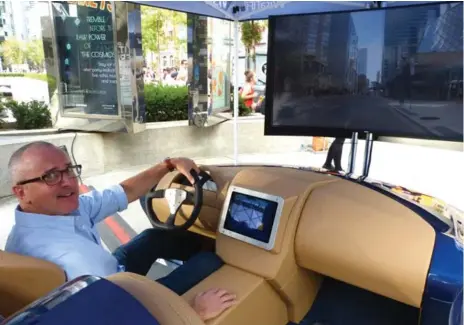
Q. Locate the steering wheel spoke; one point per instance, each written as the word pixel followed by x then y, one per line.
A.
pixel 171 220
pixel 190 199
pixel 158 194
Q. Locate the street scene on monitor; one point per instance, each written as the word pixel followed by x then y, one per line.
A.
pixel 391 72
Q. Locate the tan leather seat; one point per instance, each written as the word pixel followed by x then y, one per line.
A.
pixel 167 307
pixel 24 279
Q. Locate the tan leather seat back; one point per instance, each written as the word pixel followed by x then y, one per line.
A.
pixel 24 279
pixel 167 307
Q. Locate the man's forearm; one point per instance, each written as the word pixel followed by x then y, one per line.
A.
pixel 140 184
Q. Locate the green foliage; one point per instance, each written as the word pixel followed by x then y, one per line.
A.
pixel 251 35
pixel 13 51
pixel 17 52
pixel 243 110
pixel 51 80
pixel 2 114
pixel 12 74
pixel 29 115
pixel 35 53
pixel 166 103
pixel 154 21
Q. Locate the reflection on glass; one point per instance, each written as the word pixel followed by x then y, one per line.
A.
pixel 394 72
pixel 84 39
pixel 219 46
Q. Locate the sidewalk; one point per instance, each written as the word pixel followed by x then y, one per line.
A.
pixel 441 118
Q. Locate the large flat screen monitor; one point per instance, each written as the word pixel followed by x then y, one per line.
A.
pixel 251 216
pixel 392 72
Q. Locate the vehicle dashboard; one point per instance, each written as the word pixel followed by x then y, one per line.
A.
pixel 327 226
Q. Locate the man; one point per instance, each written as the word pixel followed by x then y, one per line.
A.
pixel 55 223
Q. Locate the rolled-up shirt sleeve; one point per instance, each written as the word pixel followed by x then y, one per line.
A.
pixel 98 205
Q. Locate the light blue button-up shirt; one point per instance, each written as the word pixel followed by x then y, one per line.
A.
pixel 71 241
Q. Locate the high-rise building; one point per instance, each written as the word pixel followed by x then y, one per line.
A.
pixel 307 39
pixel 6 20
pixel 404 31
pixel 362 61
pixel 33 10
pixel 21 19
pixel 317 36
pixel 423 43
pixel 444 33
pixel 343 53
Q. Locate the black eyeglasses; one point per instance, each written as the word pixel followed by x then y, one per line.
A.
pixel 55 176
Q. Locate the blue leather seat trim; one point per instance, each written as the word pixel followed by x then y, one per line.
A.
pixel 100 303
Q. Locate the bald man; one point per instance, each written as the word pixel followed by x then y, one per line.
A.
pixel 55 223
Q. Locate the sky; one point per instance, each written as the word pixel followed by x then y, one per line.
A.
pixel 370 30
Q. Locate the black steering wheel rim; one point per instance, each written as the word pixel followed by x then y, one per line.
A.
pixel 196 198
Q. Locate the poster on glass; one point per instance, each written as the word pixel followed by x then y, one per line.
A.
pixel 85 48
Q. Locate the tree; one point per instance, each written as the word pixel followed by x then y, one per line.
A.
pixel 152 28
pixel 13 51
pixel 251 35
pixel 35 53
pixel 154 21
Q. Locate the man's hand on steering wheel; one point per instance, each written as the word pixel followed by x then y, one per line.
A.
pixel 185 166
pixel 175 197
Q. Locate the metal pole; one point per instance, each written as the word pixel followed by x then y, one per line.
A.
pixel 235 133
pixel 367 154
pixel 353 150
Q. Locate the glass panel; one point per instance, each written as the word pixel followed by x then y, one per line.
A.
pixel 219 32
pixel 85 47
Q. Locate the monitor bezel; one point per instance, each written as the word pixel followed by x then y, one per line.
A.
pixel 260 195
pixel 291 130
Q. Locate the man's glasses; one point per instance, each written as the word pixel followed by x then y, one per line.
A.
pixel 54 177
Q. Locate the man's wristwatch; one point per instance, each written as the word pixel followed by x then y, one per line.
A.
pixel 169 165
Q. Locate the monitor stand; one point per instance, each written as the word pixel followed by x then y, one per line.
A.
pixel 353 150
pixel 367 155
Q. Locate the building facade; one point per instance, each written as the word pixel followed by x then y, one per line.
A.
pixel 404 30
pixel 343 53
pixel 362 61
pixel 6 20
pixel 423 48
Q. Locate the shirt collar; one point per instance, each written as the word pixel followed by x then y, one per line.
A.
pixel 37 220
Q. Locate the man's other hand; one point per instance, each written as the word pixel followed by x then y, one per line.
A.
pixel 212 303
pixel 184 166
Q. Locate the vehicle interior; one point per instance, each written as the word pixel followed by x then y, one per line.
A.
pixel 333 251
pixel 299 246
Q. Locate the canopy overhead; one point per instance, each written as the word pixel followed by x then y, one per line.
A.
pixel 255 10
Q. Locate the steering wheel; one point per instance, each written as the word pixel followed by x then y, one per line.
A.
pixel 175 198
